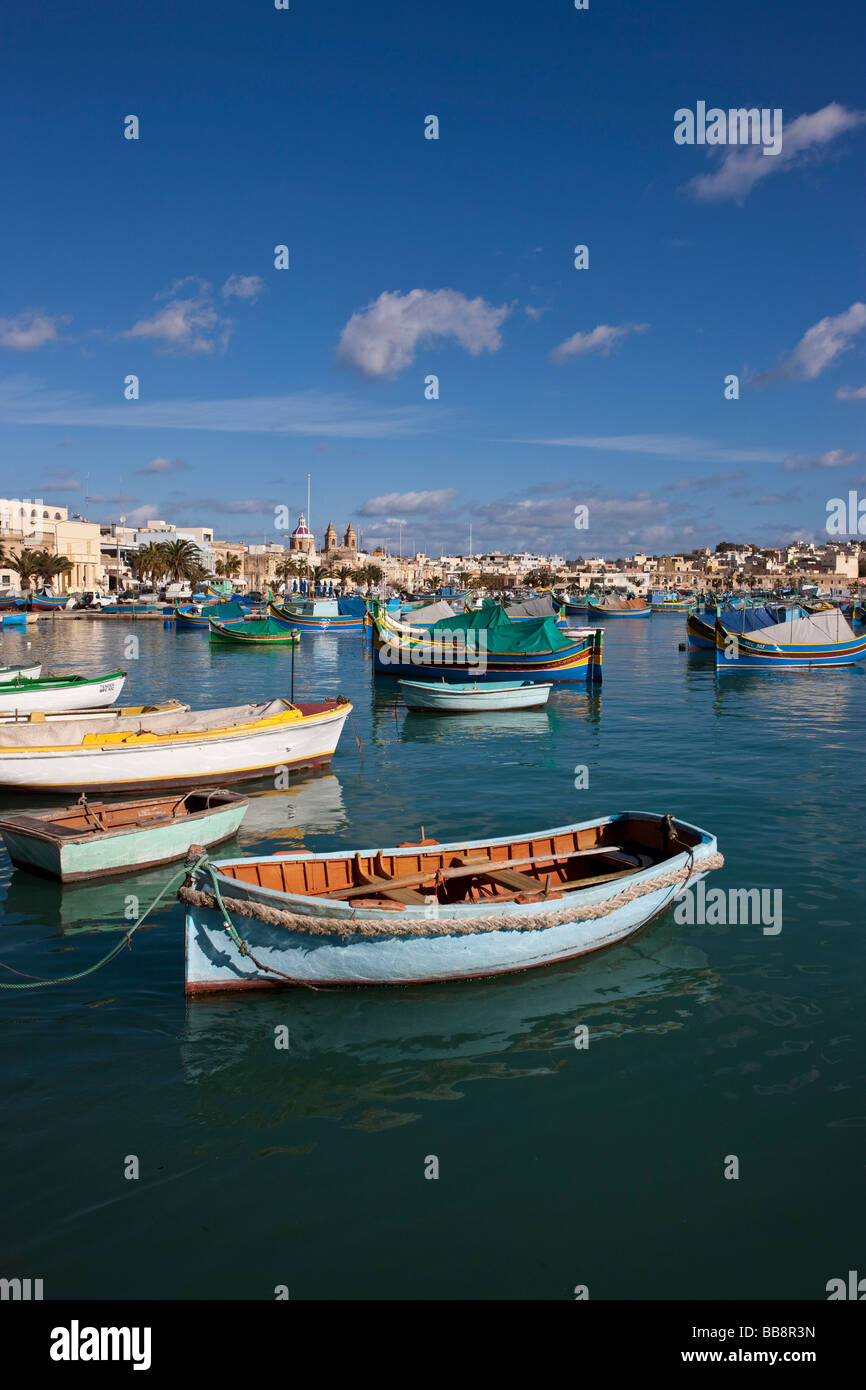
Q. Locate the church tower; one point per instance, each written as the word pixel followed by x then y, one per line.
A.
pixel 350 540
pixel 330 539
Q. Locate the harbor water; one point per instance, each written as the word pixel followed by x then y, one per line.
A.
pixel 566 1158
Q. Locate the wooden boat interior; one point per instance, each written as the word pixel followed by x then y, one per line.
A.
pixel 99 817
pixel 526 870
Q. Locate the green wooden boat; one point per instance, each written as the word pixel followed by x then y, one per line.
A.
pixel 263 631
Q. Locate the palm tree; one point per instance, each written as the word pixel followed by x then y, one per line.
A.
pixel 344 574
pixel 179 556
pixel 27 566
pixel 53 566
pixel 286 569
pixel 231 565
pixel 149 562
pixel 219 569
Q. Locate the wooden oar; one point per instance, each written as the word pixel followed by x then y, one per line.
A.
pixel 466 870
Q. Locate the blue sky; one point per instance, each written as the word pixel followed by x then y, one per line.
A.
pixel 453 256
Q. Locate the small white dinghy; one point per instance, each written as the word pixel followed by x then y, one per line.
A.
pixel 12 673
pixel 426 912
pixel 60 694
pixel 458 698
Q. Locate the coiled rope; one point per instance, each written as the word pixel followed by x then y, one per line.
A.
pixel 433 926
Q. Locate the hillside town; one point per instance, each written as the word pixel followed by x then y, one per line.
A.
pixel 46 546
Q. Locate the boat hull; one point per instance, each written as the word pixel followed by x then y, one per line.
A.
pixel 162 760
pixel 214 962
pixel 60 699
pixel 27 673
pixel 453 699
pixel 122 853
pixel 737 652
pixel 293 618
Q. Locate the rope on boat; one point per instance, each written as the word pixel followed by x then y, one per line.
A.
pixel 35 982
pixel 243 948
pixel 433 926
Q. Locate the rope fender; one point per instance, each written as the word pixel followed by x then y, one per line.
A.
pixel 443 926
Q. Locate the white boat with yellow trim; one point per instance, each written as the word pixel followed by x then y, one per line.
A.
pixel 191 748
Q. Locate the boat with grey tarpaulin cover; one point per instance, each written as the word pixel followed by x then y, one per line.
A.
pixel 425 911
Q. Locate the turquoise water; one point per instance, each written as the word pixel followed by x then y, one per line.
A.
pixel 262 1167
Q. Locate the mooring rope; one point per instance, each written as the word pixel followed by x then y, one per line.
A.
pixel 436 926
pixel 36 982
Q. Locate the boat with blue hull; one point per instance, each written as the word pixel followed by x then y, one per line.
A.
pixel 322 614
pixel 485 645
pixel 427 912
pixel 739 618
pixel 453 697
pixel 817 642
pixel 194 618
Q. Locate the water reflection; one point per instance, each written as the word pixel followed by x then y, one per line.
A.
pixel 383 1048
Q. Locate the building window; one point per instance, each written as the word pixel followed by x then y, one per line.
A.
pixel 57 516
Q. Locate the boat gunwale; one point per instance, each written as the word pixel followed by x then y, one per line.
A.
pixel 317 906
pixel 229 801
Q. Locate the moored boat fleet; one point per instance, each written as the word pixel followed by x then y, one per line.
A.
pixel 417 912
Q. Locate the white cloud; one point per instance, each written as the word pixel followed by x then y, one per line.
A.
pixel 833 458
pixel 804 138
pixel 819 346
pixel 435 500
pixel 322 415
pixel 185 325
pixel 851 393
pixel 162 465
pixel 603 339
pixel 382 339
pixel 535 312
pixel 247 287
pixel 29 331
pixel 679 446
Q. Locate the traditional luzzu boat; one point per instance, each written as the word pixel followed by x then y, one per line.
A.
pixel 42 603
pixel 189 618
pixel 451 697
pixel 11 673
pixel 820 640
pixel 671 603
pixel 427 912
pixel 739 618
pixel 194 748
pixel 255 632
pixel 100 839
pixel 60 693
pixel 13 603
pixel 485 645
pixel 614 607
pixel 322 614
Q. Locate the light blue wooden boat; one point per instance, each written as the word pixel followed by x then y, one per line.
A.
pixel 96 839
pixel 426 912
pixel 456 698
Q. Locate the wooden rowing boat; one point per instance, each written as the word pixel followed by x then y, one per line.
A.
pixel 99 839
pixel 457 698
pixel 255 632
pixel 193 748
pixel 426 911
pixel 55 694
